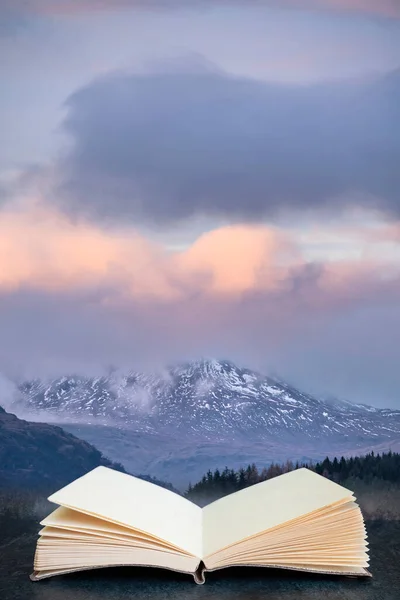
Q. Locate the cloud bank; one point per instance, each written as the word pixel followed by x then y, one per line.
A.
pixel 167 145
pixel 78 297
pixel 81 286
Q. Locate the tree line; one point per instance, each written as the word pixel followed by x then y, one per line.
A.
pixel 369 469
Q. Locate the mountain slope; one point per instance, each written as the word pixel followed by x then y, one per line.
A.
pixel 207 400
pixel 42 455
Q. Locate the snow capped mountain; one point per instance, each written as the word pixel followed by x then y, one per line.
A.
pixel 209 400
pixel 206 414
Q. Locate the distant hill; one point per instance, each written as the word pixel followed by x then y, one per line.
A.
pixel 42 455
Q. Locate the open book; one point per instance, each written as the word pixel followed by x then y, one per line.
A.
pixel 299 520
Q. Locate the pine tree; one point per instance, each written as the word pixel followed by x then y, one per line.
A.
pixel 369 468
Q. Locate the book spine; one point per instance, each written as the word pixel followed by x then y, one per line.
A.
pixel 199 574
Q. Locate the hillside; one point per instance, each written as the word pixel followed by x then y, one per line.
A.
pixel 42 455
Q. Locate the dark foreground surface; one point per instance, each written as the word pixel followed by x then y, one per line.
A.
pixel 16 554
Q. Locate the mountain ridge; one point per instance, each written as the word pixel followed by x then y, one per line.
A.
pixel 207 399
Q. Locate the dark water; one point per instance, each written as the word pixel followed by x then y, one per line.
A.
pixel 233 584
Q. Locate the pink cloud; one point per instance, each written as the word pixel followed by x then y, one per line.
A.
pixel 388 233
pixel 229 267
pixel 41 248
pixel 77 297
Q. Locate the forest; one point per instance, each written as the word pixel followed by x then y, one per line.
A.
pixel 375 479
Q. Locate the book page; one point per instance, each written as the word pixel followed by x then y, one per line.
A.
pixel 132 502
pixel 266 505
pixel 73 557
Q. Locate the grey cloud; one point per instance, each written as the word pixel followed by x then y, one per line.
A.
pixel 11 22
pixel 168 145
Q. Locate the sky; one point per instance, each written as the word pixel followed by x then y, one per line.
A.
pixel 202 179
